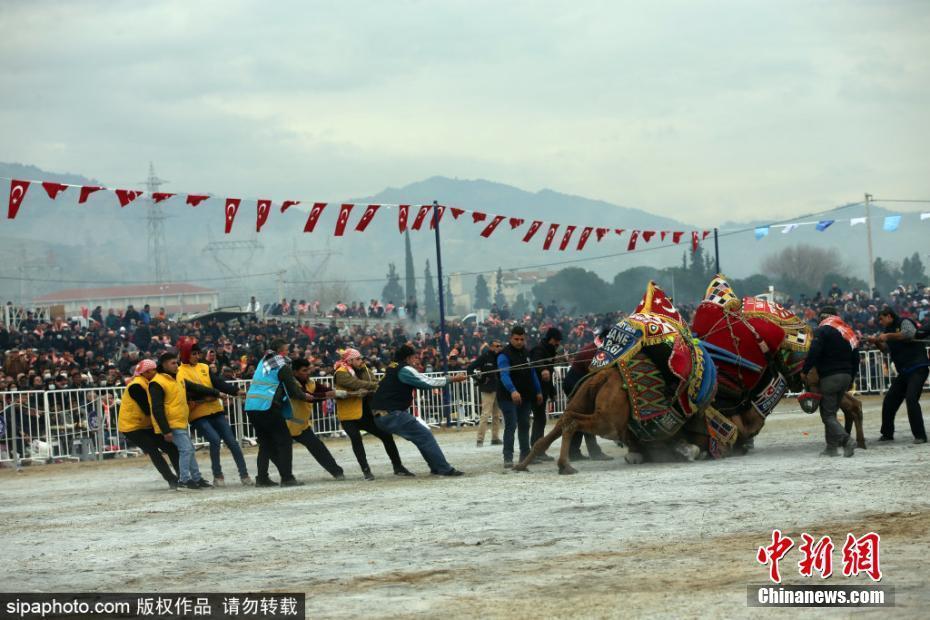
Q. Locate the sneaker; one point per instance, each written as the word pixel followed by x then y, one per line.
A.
pixel 339 476
pixel 601 457
pixel 918 440
pixel 246 481
pixel 203 484
pixel 403 471
pixel 368 475
pixel 885 438
pixel 453 472
pixel 497 442
pixel 479 444
pixel 578 457
pixel 508 464
pixel 830 451
pixel 173 485
pixel 265 481
pixel 850 448
pixel 190 485
pixel 293 482
pixel 219 481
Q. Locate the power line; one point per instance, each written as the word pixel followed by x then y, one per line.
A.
pixel 139 282
pixel 900 200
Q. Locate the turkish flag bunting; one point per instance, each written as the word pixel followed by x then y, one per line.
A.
pixel 478 216
pixel 367 217
pixel 344 211
pixel 648 235
pixel 566 237
pixel 532 231
pixel 315 213
pixel 694 241
pixel 232 207
pixel 706 235
pixel 125 196
pixel 634 236
pixel 18 191
pixel 421 216
pixel 195 199
pixel 456 212
pixel 516 222
pixel 550 236
pixel 53 189
pixel 600 232
pixel 86 191
pixel 288 204
pixel 663 234
pixel 584 236
pixel 619 231
pixel 160 197
pixel 489 229
pixel 262 210
pixel 402 217
pixel 676 236
pixel 437 217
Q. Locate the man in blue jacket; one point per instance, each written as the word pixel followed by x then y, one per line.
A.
pixel 391 407
pixel 517 389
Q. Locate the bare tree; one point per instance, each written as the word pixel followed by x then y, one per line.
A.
pixel 803 264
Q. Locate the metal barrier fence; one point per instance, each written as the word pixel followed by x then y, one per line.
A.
pixel 81 424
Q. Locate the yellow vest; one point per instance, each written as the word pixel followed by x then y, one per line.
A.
pixel 347 408
pixel 175 403
pixel 200 374
pixel 303 413
pixel 131 416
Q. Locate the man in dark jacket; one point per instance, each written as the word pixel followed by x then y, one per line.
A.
pixel 913 366
pixel 543 357
pixel 484 371
pixel 834 353
pixel 577 371
pixel 518 387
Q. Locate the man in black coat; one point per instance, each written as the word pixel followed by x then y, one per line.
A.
pixel 543 357
pixel 484 371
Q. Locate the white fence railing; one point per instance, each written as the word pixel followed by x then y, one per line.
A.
pixel 81 424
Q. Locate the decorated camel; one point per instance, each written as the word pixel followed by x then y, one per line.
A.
pixel 653 382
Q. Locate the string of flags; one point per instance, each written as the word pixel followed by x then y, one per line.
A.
pixel 558 235
pixel 890 223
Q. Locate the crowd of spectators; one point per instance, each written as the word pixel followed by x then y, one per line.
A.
pixel 102 350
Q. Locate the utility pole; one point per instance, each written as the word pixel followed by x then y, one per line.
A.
pixel 716 252
pixel 443 350
pixel 868 231
pixel 155 223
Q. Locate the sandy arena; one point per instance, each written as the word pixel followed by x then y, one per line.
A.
pixel 659 540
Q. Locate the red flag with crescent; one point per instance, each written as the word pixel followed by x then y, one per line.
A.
pixel 634 237
pixel 663 235
pixel 262 210
pixel 694 241
pixel 619 231
pixel 600 232
pixel 567 237
pixel 437 217
pixel 550 236
pixel 367 217
pixel 86 191
pixel 648 235
pixel 195 199
pixel 125 196
pixel 655 301
pixel 456 212
pixel 53 189
pixel 676 236
pixel 344 212
pixel 534 227
pixel 402 212
pixel 516 222
pixel 18 191
pixel 232 207
pixel 490 228
pixel 288 204
pixel 421 215
pixel 478 216
pixel 706 235
pixel 584 237
pixel 160 196
pixel 315 213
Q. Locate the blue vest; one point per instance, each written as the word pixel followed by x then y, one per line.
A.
pixel 262 390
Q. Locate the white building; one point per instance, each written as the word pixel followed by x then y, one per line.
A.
pixel 174 298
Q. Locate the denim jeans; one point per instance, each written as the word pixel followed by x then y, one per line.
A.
pixel 186 458
pixel 216 430
pixel 516 418
pixel 402 423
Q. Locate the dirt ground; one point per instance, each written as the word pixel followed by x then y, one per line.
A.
pixel 654 540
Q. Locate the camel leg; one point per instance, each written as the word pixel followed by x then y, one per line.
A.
pixel 565 468
pixel 852 411
pixel 543 443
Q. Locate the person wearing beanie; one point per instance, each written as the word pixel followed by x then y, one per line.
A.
pixel 207 415
pixel 354 412
pixel 391 407
pixel 134 421
pixel 170 415
pixel 834 353
pixel 543 356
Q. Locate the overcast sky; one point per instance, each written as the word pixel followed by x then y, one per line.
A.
pixel 702 111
